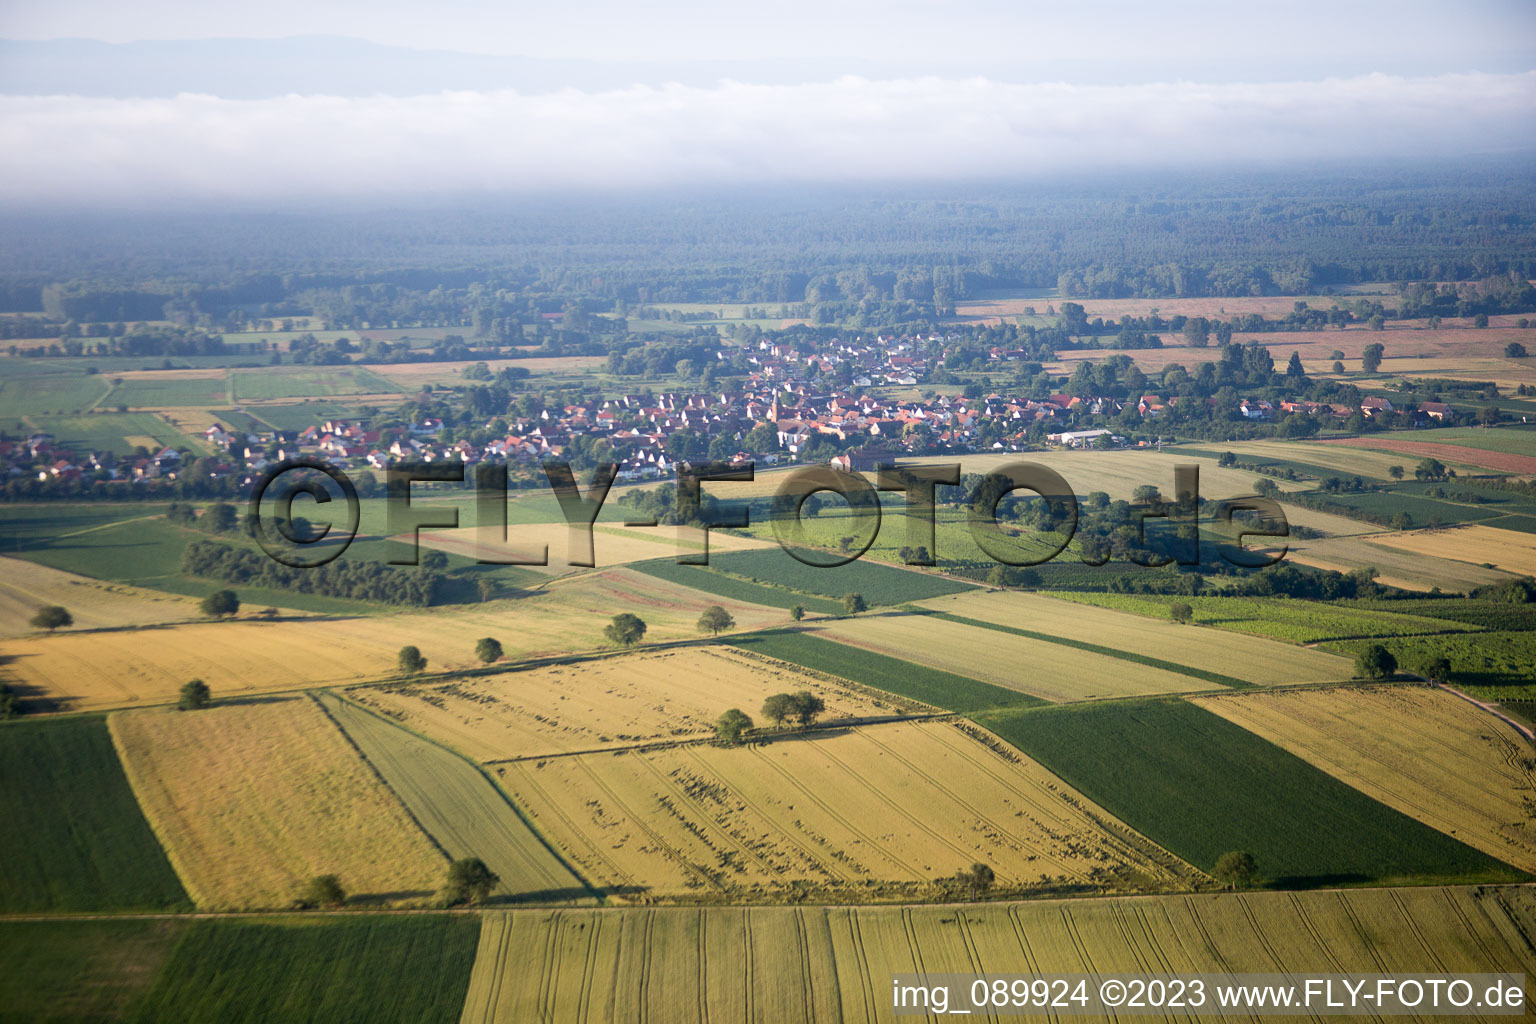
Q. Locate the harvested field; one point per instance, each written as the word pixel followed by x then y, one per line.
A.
pixel 1201 786
pixel 95 604
pixel 1394 567
pixel 1251 659
pixel 693 965
pixel 1046 670
pixel 1503 462
pixel 253 800
pixel 1424 752
pixel 250 656
pixel 414 375
pixel 874 811
pixel 1503 549
pixel 1328 523
pixel 1342 459
pixel 459 807
pixel 610 702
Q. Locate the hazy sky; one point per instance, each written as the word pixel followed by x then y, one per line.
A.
pixel 1467 34
pixel 961 89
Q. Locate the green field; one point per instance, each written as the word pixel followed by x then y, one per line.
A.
pixel 1297 622
pixel 301 414
pixel 907 679
pixel 109 432
pixel 1512 440
pixel 1478 612
pixel 880 584
pixel 80 970
pixel 733 587
pixel 1421 509
pixel 369 968
pixel 295 382
pixel 1200 787
pixel 1114 652
pixel 200 393
pixel 34 394
pixel 74 837
pixel 459 807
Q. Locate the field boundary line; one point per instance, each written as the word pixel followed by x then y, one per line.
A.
pixel 543 840
pixel 1523 730
pixel 374 769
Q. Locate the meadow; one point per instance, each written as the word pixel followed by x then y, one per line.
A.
pixel 459 806
pixel 874 811
pixel 1219 788
pixel 251 801
pixel 911 679
pixel 1424 752
pixel 1041 668
pixel 74 837
pixel 648 697
pixel 32 394
pixel 1220 657
pixel 283 382
pixel 693 965
pixel 414 970
pixel 203 388
pixel 119 433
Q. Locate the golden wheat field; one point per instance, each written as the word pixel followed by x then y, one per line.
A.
pixel 1117 473
pixel 250 656
pixel 95 604
pixel 1252 659
pixel 1427 753
pixel 1340 459
pixel 1395 567
pixel 612 544
pixel 251 801
pixel 1508 550
pixel 833 965
pixel 882 809
pixel 631 699
pixel 1050 671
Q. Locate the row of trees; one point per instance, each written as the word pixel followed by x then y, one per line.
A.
pixel 469 881
pixel 347 578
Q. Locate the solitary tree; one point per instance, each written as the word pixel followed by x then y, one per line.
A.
pixel 51 617
pixel 730 727
pixel 488 649
pixel 979 878
pixel 195 695
pixel 806 706
pixel 1395 472
pixel 715 619
pixel 626 629
pixel 469 881
pixel 853 604
pixel 1515 350
pixel 1236 869
pixel 410 660
pixel 778 707
pixel 221 603
pixel 322 891
pixel 797 612
pixel 1375 662
pixel 1370 357
pixel 486 588
pixel 1338 366
pixel 1181 612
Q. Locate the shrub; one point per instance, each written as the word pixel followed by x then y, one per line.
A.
pixel 195 695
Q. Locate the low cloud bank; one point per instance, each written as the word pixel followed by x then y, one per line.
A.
pixel 97 150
